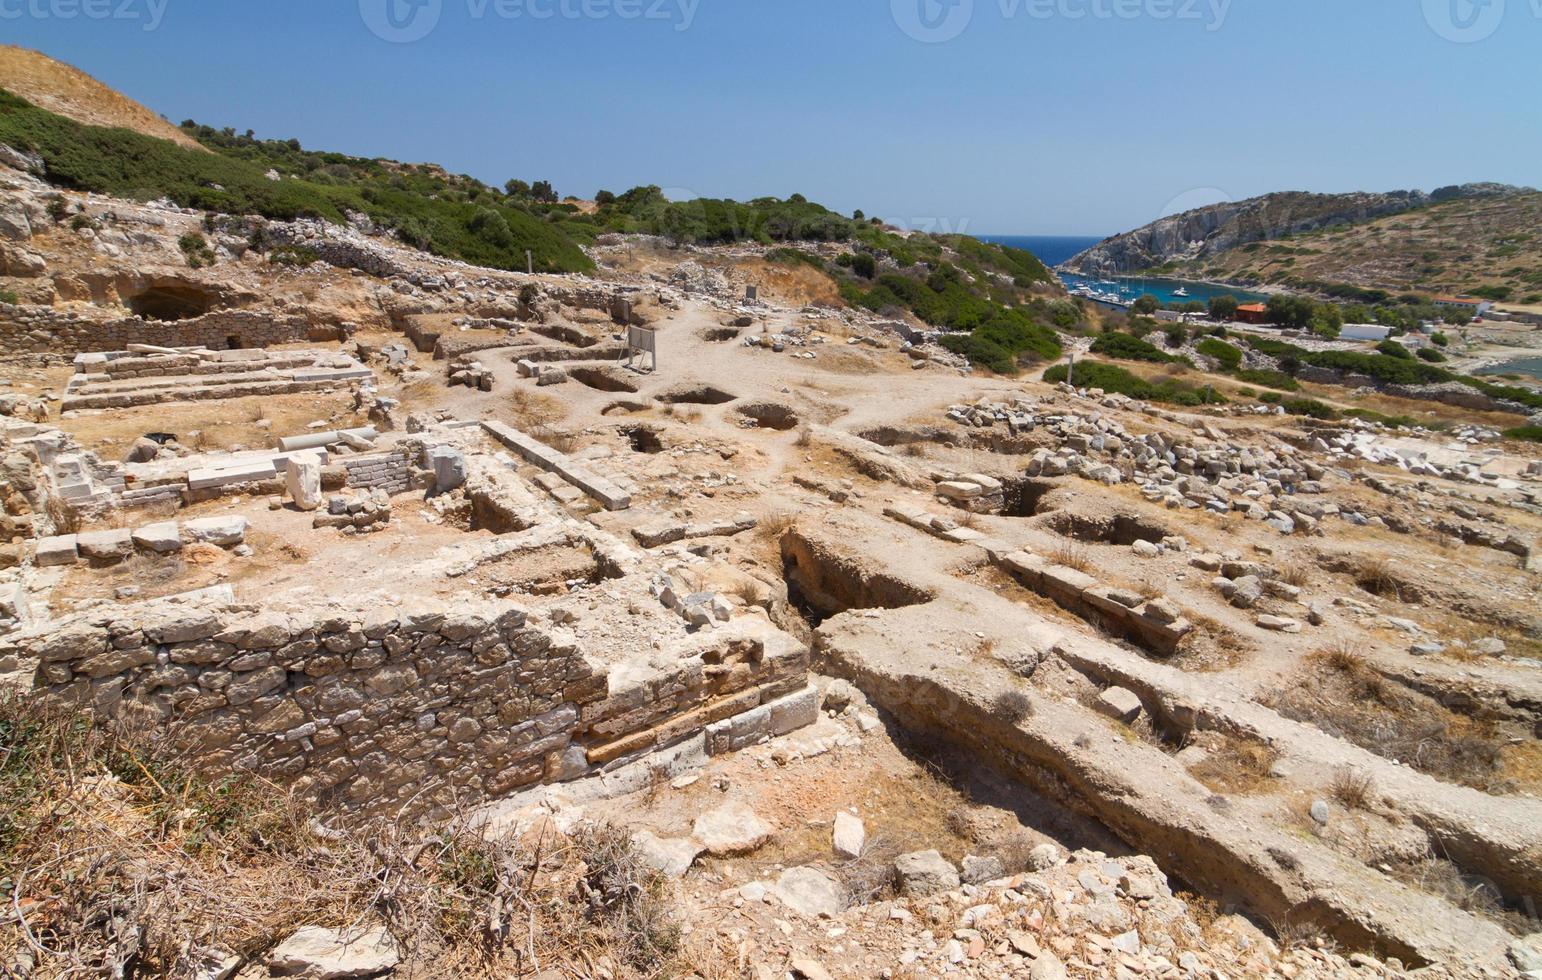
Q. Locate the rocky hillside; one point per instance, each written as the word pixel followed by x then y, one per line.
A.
pixel 70 92
pixel 1455 238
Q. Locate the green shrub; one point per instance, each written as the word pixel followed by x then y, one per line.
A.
pixel 1112 378
pixel 1392 348
pixel 195 248
pixel 427 208
pixel 1269 379
pixel 1230 358
pixel 1310 407
pixel 863 264
pixel 1271 397
pixel 1440 340
pixel 1247 392
pixel 786 255
pixel 1124 347
pixel 294 256
pixel 7 297
pixel 1431 355
pixel 1526 433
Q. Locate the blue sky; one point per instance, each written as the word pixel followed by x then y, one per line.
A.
pixel 1033 117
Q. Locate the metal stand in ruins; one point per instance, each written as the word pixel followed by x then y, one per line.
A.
pixel 640 341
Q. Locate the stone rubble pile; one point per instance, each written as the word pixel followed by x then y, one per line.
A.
pixel 163 538
pixel 357 513
pixel 472 373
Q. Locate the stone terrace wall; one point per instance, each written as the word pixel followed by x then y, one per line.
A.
pixel 39 330
pixel 389 708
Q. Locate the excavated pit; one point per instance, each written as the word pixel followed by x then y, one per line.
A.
pixel 624 406
pixel 1116 529
pixel 602 379
pixel 890 436
pixel 172 303
pixel 543 572
pixel 770 415
pixel 697 395
pixel 1025 498
pixel 564 334
pixel 821 584
pixel 643 439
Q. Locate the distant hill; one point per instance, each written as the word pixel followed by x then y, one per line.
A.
pixel 1484 239
pixel 70 92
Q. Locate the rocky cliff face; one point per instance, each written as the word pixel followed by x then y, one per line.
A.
pixel 1220 227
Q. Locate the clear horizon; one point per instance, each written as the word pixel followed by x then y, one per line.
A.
pixel 987 117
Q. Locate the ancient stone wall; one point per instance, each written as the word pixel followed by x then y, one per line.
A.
pixel 391 472
pixel 416 706
pixel 46 330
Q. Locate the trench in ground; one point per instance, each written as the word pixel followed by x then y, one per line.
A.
pixel 602 379
pixel 821 585
pixel 697 395
pixel 1117 529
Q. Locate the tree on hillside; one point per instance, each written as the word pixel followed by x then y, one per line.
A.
pixel 542 191
pixel 517 188
pixel 1291 312
pixel 1223 307
pixel 603 198
pixel 1146 305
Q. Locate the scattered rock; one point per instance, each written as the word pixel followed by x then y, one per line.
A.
pixel 731 829
pixel 849 835
pixel 924 873
pixel 329 954
pixel 811 892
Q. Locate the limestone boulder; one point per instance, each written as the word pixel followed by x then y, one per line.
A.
pixel 331 954
pixel 924 873
pixel 162 539
pixel 849 835
pixel 731 829
pixel 811 892
pixel 669 856
pixel 114 545
pixel 226 531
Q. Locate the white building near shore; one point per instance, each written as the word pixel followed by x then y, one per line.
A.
pixel 1364 331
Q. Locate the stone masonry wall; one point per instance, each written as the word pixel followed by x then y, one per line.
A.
pixel 390 708
pixel 27 329
pixel 391 472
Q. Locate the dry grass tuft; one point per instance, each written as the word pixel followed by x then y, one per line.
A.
pixel 1012 707
pixel 1376 576
pixel 1352 787
pixel 1295 573
pixel 1239 767
pixel 774 525
pixel 1072 554
pixel 805 437
pixel 157 863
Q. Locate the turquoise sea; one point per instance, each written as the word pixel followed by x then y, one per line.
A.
pixel 1055 249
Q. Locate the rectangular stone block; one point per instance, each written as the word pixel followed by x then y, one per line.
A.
pixel 59 550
